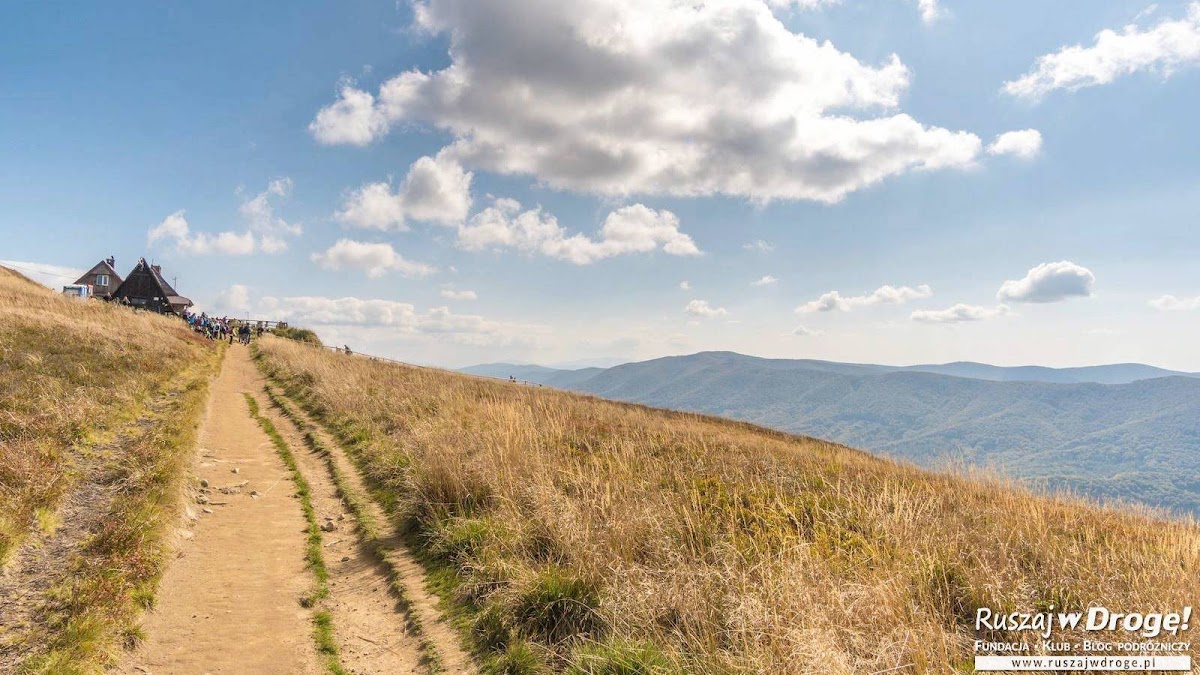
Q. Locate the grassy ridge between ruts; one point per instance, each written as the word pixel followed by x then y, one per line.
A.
pixel 590 536
pixel 99 410
pixel 323 628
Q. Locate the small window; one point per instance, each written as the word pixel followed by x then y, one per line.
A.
pixel 101 280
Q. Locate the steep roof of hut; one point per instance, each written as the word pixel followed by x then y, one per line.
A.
pixel 146 281
pixel 103 267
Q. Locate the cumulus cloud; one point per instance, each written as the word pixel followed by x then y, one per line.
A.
pixel 629 229
pixel 685 286
pixel 1049 282
pixel 768 280
pixel 453 294
pixel 803 331
pixel 930 10
pixel 395 317
pixel 175 227
pixel 759 245
pixel 703 309
pixel 959 313
pixel 884 295
pixel 259 215
pixel 235 299
pixel 264 231
pixel 1170 303
pixel 653 97
pixel 375 260
pixel 1164 48
pixel 1025 144
pixel 436 189
pixel 352 120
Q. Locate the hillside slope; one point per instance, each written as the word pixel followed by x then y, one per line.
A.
pixel 1137 441
pixel 98 408
pixel 580 533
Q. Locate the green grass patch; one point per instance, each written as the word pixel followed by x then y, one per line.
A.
pixel 299 335
pixel 620 658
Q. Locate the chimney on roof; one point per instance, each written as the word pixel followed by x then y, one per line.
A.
pixel 157 268
pixel 112 262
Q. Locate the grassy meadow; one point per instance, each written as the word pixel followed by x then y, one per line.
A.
pixel 581 535
pixel 99 407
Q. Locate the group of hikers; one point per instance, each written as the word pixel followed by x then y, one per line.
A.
pixel 223 328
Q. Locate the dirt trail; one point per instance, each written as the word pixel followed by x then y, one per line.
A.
pixel 422 602
pixel 369 624
pixel 230 602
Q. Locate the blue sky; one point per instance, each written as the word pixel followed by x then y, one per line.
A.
pixel 660 142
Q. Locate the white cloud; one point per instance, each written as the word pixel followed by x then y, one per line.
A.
pixel 629 229
pixel 235 299
pixel 806 332
pixel 375 260
pixel 54 276
pixel 959 313
pixel 1025 144
pixel 1170 303
pixel 265 231
pixel 685 286
pixel 452 294
pixel 369 315
pixel 436 189
pixel 653 97
pixel 259 214
pixel 223 243
pixel 768 280
pixel 1164 47
pixel 175 227
pixel 759 245
pixel 353 120
pixel 890 295
pixel 930 10
pixel 1049 282
pixel 702 308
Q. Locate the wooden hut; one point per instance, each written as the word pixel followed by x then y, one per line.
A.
pixel 103 278
pixel 145 288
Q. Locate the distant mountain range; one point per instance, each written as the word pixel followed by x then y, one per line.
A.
pixel 1127 431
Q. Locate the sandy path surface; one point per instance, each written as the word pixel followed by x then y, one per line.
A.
pixel 454 659
pixel 230 602
pixel 370 626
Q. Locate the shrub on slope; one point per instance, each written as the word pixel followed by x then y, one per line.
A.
pixel 592 536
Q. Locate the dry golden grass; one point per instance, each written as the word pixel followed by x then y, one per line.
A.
pixel 602 537
pixel 106 400
pixel 71 371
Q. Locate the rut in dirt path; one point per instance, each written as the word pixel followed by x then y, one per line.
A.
pixel 421 604
pixel 371 627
